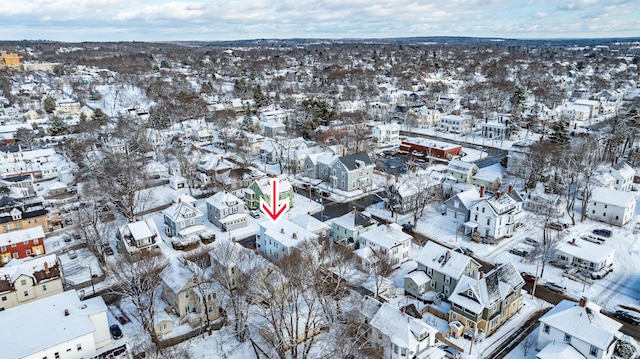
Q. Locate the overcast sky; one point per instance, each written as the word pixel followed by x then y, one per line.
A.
pixel 165 20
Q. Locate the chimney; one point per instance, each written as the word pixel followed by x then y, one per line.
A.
pixel 233 240
pixel 481 275
pixel 294 235
pixel 357 149
pixel 66 312
pixel 221 158
pixel 404 309
pixel 573 241
pixel 46 268
pixel 282 230
pixel 498 194
pixel 583 302
pixel 344 151
pixel 354 208
pixel 510 188
pixel 447 256
pixel 481 191
pixel 179 199
pixel 495 266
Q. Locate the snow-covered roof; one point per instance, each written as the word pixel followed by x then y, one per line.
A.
pixel 495 286
pixel 584 323
pixel 490 173
pixel 22 235
pixel 586 250
pixel 401 329
pixel 354 220
pixel 386 236
pixel 283 184
pixel 181 211
pixel 284 231
pixel 502 203
pixel 176 275
pixel 468 198
pixel 44 321
pixel 308 222
pixel 461 166
pixel 141 229
pixel 433 255
pixel 418 277
pixel 612 197
pixel 223 199
pixel 624 169
pixel 27 266
pixel 555 350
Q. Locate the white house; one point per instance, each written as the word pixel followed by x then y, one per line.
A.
pixel 277 240
pixel 593 105
pixel 387 133
pixel 611 206
pixel 348 227
pixel 573 112
pixel 584 254
pixel 60 326
pixel 579 329
pixel 497 216
pixel 494 130
pixel 389 240
pixel 623 175
pixel 401 335
pixel 456 124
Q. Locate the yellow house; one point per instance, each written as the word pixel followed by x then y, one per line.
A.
pixel 29 280
pixel 189 295
pixel 9 61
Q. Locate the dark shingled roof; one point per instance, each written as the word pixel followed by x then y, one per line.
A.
pixel 350 160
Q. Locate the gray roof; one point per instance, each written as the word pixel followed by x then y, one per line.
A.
pixel 350 161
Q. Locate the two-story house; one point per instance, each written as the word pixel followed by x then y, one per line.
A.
pixel 183 219
pixel 494 130
pixel 387 134
pixel 22 213
pixel 138 236
pixel 348 227
pixel 21 186
pixel 483 305
pixel 579 330
pixel 352 172
pixel 623 175
pixel 278 240
pixel 317 227
pixel 443 268
pixel 611 206
pixel 211 167
pixel 188 294
pixel 456 124
pixel 400 335
pixel 497 216
pixel 462 171
pixel 459 206
pixel 407 194
pixel 22 243
pixel 226 211
pixel 386 242
pixel 261 188
pixel 22 281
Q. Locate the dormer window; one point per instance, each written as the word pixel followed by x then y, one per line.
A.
pixel 470 293
pixel 16 214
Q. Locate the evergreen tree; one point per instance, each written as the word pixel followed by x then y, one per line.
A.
pixel 99 116
pixel 49 105
pixel 517 106
pixel 559 134
pixel 57 126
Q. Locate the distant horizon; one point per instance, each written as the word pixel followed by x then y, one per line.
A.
pixel 487 38
pixel 232 20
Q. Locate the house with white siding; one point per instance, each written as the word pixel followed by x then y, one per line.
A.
pixel 389 241
pixel 611 206
pixel 497 216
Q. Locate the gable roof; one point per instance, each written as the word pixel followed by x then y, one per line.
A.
pixel 433 255
pixel 585 323
pixel 223 199
pixel 352 219
pixel 386 236
pixel 401 329
pixel 468 198
pixel 495 286
pixel 181 211
pixel 351 161
pixel 176 275
pixel 461 166
pixel 612 197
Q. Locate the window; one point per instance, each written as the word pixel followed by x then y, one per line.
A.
pixel 605 206
pixel 57 355
pixel 567 338
pixel 36 241
pixel 475 217
pixel 44 287
pixel 26 293
pixel 593 351
pixel 28 251
pixel 3 249
pixel 13 245
pixel 488 221
pixel 15 255
pixel 79 347
pixel 4 298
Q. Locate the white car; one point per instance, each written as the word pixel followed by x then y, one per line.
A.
pixel 72 254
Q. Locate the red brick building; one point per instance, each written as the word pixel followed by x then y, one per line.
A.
pixel 430 148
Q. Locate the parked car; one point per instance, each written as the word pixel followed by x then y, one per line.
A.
pixel 602 272
pixel 518 252
pixel 559 288
pixel 325 194
pixel 531 241
pixel 407 227
pixel 67 237
pixel 528 276
pixel 556 226
pixel 72 254
pixel 255 213
pixel 594 239
pixel 450 353
pixel 108 251
pixel 116 333
pixel 464 250
pixel 603 232
pixel 628 317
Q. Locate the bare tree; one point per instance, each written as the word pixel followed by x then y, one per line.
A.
pixel 380 268
pixel 138 278
pixel 90 225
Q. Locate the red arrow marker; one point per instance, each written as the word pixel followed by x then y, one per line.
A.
pixel 274 211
